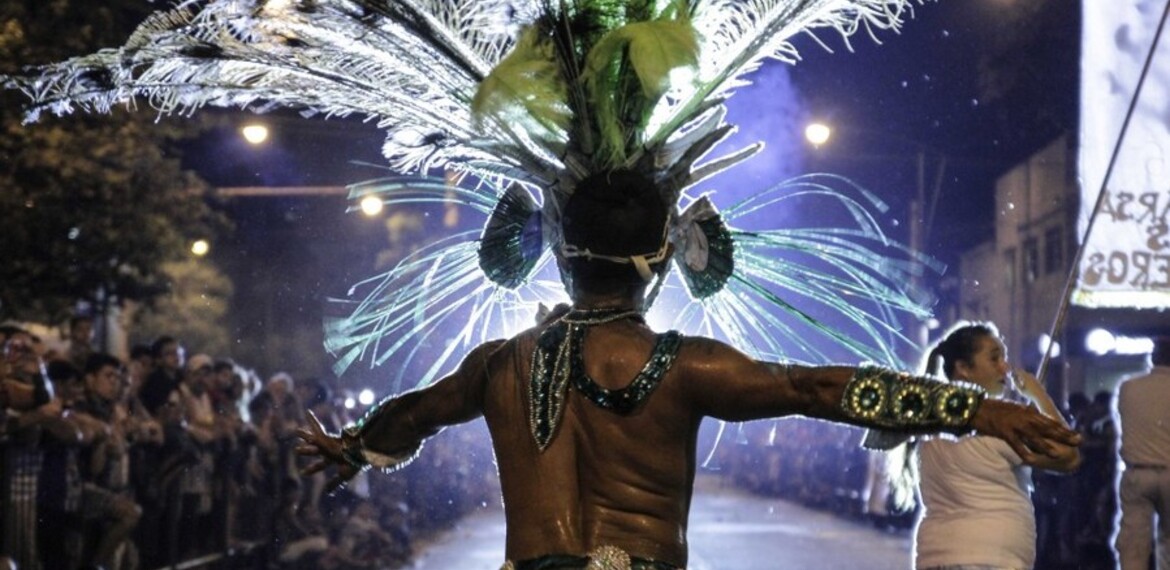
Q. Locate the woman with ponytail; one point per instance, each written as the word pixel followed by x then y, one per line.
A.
pixel 977 513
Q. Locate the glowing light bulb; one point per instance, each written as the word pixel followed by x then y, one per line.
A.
pixel 1043 343
pixel 818 133
pixel 371 205
pixel 255 133
pixel 1100 341
pixel 200 247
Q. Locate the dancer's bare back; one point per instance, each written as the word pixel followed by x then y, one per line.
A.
pixel 625 480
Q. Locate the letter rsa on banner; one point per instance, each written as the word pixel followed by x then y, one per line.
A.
pixel 1127 258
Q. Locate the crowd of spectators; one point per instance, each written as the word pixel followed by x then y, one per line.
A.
pixel 816 463
pixel 1075 513
pixel 160 459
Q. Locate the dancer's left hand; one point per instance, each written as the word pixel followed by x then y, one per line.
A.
pixel 1030 433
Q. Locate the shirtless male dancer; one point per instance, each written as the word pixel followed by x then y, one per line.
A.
pixel 597 469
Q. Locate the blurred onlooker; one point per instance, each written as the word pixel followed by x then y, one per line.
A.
pixel 15 395
pixel 199 422
pixel 73 505
pixel 1095 480
pixel 361 544
pixel 164 468
pixel 147 473
pixel 306 390
pixel 168 358
pixel 1144 486
pixel 22 453
pixel 286 408
pixel 59 486
pixel 107 500
pixel 395 520
pixel 227 391
pixel 225 388
pixel 195 391
pixel 80 343
pixel 318 398
pixel 259 471
pixel 139 367
pixel 1072 517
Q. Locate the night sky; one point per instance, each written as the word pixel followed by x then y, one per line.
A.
pixel 982 82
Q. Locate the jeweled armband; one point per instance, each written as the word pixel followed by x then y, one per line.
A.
pixel 882 398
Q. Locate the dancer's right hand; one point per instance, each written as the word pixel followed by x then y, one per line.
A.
pixel 328 448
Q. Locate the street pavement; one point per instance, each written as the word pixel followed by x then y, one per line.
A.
pixel 729 530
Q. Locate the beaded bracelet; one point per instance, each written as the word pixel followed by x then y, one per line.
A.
pixel 351 448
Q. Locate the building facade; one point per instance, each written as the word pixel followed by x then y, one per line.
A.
pixel 1017 280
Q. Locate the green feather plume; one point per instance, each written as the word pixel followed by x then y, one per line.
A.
pixel 526 92
pixel 652 51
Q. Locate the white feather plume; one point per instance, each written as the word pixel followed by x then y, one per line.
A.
pixel 414 67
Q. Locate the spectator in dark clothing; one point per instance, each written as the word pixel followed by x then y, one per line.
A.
pixel 1096 480
pixel 106 501
pixel 286 407
pixel 204 432
pixel 164 379
pixel 80 344
pixel 22 455
pixel 59 487
pixel 362 543
pixel 140 366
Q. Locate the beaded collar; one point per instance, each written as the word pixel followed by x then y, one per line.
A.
pixel 558 361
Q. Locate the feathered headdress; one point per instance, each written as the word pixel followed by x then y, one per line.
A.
pixel 528 97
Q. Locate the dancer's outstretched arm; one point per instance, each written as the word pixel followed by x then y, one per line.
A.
pixel 389 436
pixel 725 383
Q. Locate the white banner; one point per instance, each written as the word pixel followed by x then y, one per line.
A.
pixel 1127 258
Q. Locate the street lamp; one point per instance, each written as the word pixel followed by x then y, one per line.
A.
pixel 200 247
pixel 254 133
pixel 371 206
pixel 817 134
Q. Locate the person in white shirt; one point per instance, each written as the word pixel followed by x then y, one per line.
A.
pixel 1144 486
pixel 977 513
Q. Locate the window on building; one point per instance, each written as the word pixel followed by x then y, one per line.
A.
pixel 1053 250
pixel 1009 267
pixel 1031 267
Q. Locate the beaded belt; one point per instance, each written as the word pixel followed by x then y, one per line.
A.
pixel 601 558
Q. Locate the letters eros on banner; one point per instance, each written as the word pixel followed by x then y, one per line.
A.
pixel 1134 257
pixel 1126 260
